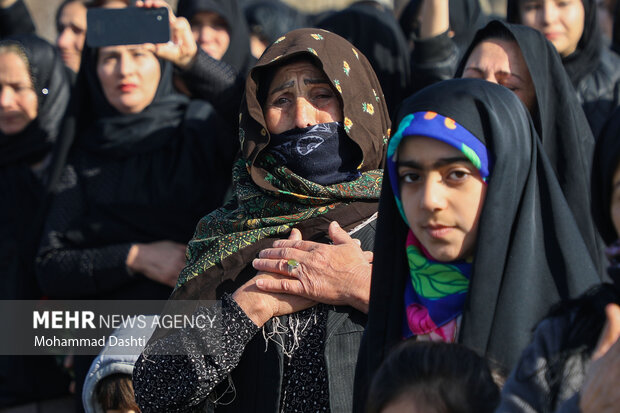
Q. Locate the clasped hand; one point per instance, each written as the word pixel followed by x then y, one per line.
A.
pixel 337 273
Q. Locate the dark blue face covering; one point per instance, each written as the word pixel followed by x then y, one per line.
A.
pixel 321 153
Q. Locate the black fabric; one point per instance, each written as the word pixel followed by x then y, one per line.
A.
pixel 586 58
pixel 16 20
pixel 606 157
pixel 270 19
pixel 615 38
pixel 321 153
pixel 218 83
pixel 466 17
pixel 238 54
pixel 585 316
pixel 599 91
pixel 529 250
pixel 559 121
pixel 26 379
pixel 435 59
pixel 384 45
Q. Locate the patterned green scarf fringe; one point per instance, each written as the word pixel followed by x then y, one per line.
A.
pixel 254 213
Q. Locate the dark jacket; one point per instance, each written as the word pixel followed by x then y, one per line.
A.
pixel 16 19
pixel 531 387
pixel 599 91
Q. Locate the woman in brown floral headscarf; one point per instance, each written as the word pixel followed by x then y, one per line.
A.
pixel 313 128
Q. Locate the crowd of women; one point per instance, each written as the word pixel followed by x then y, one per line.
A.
pixel 391 209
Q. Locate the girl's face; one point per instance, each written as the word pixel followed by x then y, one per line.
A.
pixel 442 195
pixel 561 21
pixel 615 200
pixel 129 76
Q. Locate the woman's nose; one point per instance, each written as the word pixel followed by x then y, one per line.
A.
pixel 433 195
pixel 305 113
pixel 7 97
pixel 205 34
pixel 550 12
pixel 64 40
pixel 127 65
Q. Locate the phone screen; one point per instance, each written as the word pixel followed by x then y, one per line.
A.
pixel 131 25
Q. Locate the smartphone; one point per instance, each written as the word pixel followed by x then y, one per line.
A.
pixel 130 25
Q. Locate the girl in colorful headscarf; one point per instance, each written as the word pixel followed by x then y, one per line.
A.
pixel 475 239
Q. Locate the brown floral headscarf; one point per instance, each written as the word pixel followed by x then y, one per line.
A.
pixel 366 119
pixel 269 199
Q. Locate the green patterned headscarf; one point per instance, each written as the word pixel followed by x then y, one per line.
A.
pixel 269 199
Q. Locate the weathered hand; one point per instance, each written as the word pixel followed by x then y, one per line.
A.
pixel 599 392
pixel 336 274
pixel 260 306
pixel 182 48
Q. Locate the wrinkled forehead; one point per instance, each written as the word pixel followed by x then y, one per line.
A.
pixel 499 54
pixel 284 69
pixel 292 70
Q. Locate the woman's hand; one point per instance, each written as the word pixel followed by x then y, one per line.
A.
pixel 260 306
pixel 599 392
pixel 160 261
pixel 336 274
pixel 182 48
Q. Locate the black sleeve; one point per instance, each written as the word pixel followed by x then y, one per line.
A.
pixel 216 82
pixel 179 383
pixel 16 20
pixel 433 60
pixel 530 388
pixel 66 271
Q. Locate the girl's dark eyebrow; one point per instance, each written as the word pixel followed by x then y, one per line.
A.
pixel 438 163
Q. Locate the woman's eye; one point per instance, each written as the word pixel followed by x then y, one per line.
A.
pixel 409 177
pixel 458 175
